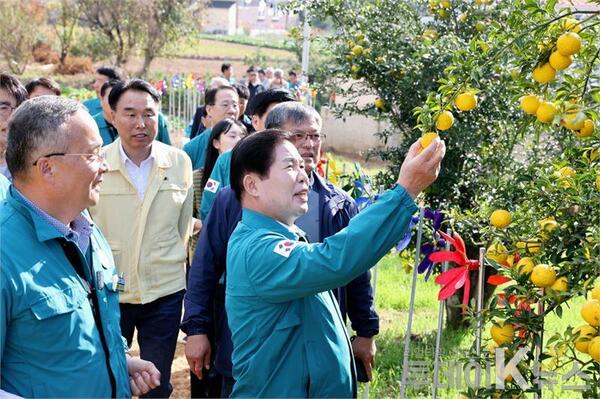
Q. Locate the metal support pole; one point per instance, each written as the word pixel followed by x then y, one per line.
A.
pixel 438 337
pixel 411 309
pixel 480 300
pixel 538 349
pixel 305 48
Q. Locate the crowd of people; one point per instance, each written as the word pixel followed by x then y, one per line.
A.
pixel 107 230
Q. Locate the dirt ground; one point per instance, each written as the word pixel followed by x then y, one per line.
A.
pixel 180 371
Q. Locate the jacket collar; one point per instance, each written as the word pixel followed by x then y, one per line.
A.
pixel 44 230
pixel 259 221
pixel 113 156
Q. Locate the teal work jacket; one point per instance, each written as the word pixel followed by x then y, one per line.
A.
pixel 196 149
pixel 50 345
pixel 93 105
pixel 4 185
pixel 109 135
pixel 219 179
pixel 288 336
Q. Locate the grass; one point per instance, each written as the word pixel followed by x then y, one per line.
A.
pixel 392 302
pixel 209 48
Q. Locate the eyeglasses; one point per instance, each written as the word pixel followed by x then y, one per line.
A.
pixel 300 137
pixel 92 158
pixel 6 109
pixel 226 105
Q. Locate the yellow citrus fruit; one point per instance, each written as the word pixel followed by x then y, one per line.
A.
pixel 525 265
pixel 571 24
pixel 546 112
pixel 587 130
pixel 568 43
pixel 379 103
pixel 548 224
pixel 560 285
pixel 586 333
pixel 426 139
pixel 590 311
pixel 543 276
pixel 559 61
pixel 444 121
pixel 530 103
pixel 445 3
pixel 594 349
pixel 598 182
pixel 574 120
pixel 565 172
pixel 544 73
pixel 500 218
pixel 497 252
pixel 502 333
pixel 430 34
pixel 463 396
pixel 533 246
pixel 357 50
pixel 466 101
pixel 443 13
pixel 596 293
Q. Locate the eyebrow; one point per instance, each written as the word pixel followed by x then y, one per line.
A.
pixel 6 103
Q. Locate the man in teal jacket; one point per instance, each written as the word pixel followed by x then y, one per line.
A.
pixel 59 309
pixel 288 336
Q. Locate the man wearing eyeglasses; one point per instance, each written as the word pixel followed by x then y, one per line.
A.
pixel 59 302
pixel 12 94
pixel 329 211
pixel 220 104
pixel 145 210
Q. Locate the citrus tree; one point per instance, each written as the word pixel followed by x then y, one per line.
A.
pixel 513 89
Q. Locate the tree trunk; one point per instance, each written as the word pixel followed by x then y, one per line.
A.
pixel 148 57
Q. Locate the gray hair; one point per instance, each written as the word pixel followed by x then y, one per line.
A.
pixel 37 128
pixel 292 112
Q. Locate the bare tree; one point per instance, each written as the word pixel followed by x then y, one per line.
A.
pixel 17 22
pixel 164 22
pixel 120 21
pixel 65 24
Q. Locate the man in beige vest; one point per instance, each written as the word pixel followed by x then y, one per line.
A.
pixel 145 211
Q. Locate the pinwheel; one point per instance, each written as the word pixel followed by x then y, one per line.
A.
pixel 454 279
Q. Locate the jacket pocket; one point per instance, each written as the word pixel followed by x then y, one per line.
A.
pixel 115 247
pixel 59 302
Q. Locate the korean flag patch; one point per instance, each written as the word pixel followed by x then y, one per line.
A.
pixel 212 186
pixel 284 247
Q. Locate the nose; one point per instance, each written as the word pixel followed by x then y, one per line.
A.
pixel 139 122
pixel 303 176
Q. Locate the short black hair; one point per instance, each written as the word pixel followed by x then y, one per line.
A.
pixel 112 72
pixel 251 69
pixel 48 83
pixel 14 87
pixel 292 73
pixel 211 95
pixel 225 67
pixel 261 71
pixel 254 154
pixel 134 84
pixel 242 90
pixel 259 104
pixel 107 85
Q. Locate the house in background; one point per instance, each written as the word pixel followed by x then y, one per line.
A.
pixel 252 17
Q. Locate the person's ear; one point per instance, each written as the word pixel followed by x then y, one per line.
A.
pixel 216 143
pixel 45 169
pixel 256 122
pixel 113 114
pixel 251 186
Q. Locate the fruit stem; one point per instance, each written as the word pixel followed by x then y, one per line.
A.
pixel 587 78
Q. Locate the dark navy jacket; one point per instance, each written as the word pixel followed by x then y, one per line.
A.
pixel 204 301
